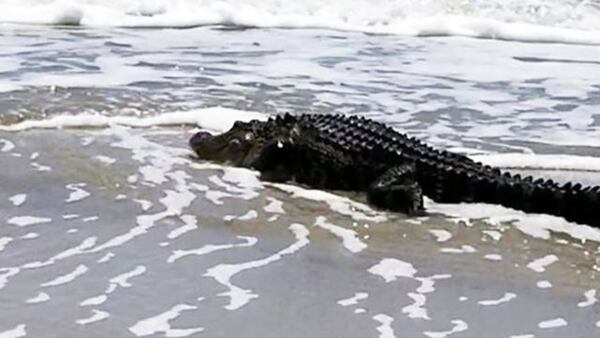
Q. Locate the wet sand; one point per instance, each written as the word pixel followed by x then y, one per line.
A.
pixel 118 232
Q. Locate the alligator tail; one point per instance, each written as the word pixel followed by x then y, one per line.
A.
pixel 571 201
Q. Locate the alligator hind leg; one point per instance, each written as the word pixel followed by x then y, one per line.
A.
pixel 397 190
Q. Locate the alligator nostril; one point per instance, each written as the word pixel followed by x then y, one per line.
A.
pixel 199 137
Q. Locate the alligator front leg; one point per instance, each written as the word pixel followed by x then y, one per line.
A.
pixel 273 161
pixel 397 190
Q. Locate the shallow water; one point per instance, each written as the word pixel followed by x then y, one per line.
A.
pixel 498 96
pixel 121 233
pixel 112 229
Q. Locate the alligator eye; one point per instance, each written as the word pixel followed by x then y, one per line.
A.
pixel 234 143
pixel 249 136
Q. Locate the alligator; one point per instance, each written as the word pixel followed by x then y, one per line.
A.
pixel 340 152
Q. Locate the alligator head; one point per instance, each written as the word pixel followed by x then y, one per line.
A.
pixel 239 146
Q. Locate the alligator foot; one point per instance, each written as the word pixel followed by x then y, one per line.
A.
pixel 397 190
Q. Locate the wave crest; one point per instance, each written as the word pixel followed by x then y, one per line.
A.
pixel 567 21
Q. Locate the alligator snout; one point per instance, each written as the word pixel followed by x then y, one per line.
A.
pixel 199 138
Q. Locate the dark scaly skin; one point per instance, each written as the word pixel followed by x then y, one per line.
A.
pixel 352 153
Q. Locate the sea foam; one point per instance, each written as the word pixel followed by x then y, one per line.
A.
pixel 567 21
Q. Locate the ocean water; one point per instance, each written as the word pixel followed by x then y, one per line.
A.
pixel 110 227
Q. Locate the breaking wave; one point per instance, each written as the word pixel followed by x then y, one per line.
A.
pixel 565 21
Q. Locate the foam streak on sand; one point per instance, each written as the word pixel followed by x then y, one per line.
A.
pixel 349 237
pixel 208 248
pixel 539 265
pixel 391 268
pixel 354 299
pixel 160 323
pixel 17 332
pixel 506 298
pixel 459 326
pixel 64 279
pixel 223 273
pixel 23 221
pixel 97 316
pixel 385 329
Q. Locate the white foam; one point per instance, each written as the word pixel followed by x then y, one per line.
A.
pixel 463 249
pixel 495 235
pixel 349 237
pixel 535 225
pixel 493 257
pixel 458 326
pixel 85 245
pixel 122 280
pixel 391 268
pixel 160 323
pixel 590 298
pixel 67 278
pixel 385 328
pixel 23 221
pixel 245 181
pixel 216 119
pixel 7 145
pixel 40 167
pixel 40 298
pixel 18 199
pixel 107 257
pixel 30 235
pixel 275 206
pixel 190 223
pixel 544 284
pixel 440 234
pixel 144 223
pixel 77 194
pixel 208 248
pixel 540 161
pixel 354 299
pixel 417 309
pixel 6 273
pixel 550 21
pixel 223 273
pixel 17 332
pixel 144 204
pixel 105 159
pixel 96 316
pixel 506 298
pixel 251 214
pixel 4 242
pixel 540 264
pixel 552 323
pixel 345 206
pixel 96 300
pixel 427 283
